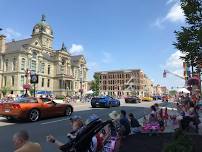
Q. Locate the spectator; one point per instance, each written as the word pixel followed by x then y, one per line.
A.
pixel 115 128
pixel 134 124
pixel 77 126
pixel 22 143
pixel 94 143
pixel 11 95
pixel 125 125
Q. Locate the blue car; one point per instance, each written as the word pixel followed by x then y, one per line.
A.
pixel 104 101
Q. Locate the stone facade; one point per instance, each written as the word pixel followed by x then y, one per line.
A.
pixel 123 82
pixel 58 70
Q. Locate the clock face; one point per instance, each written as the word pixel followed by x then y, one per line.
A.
pixel 37 30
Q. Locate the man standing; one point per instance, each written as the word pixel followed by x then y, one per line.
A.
pixel 22 143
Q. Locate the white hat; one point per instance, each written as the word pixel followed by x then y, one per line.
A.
pixel 114 115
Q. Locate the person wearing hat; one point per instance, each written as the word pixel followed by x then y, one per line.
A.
pixel 94 142
pixel 115 128
pixel 77 125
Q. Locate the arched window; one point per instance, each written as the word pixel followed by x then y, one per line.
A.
pixel 14 64
pixel 23 64
pixel 34 55
pixel 6 68
pixel 42 67
pixel 33 62
pixel 48 69
pixel 33 65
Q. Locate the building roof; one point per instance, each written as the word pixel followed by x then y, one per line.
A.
pixel 48 57
pixel 121 71
pixel 17 45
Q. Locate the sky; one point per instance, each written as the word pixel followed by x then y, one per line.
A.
pixel 112 34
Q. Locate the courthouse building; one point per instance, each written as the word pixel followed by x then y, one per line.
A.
pixel 59 71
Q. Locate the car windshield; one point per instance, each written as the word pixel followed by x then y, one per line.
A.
pixel 25 100
pixel 46 100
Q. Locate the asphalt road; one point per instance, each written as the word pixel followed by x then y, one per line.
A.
pixel 59 126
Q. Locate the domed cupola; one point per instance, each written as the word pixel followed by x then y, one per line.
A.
pixel 42 27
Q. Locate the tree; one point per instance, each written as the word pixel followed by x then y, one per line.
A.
pixel 96 84
pixel 5 90
pixel 189 38
pixel 172 92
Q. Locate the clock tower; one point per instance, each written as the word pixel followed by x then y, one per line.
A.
pixel 44 33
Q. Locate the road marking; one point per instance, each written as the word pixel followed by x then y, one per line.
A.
pixel 45 123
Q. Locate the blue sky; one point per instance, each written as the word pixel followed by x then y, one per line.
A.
pixel 112 34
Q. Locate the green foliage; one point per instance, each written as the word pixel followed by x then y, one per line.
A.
pixel 31 91
pixel 5 90
pixel 61 97
pixel 96 84
pixel 181 143
pixel 172 92
pixel 189 38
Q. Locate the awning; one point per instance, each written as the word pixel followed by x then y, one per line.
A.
pixel 184 90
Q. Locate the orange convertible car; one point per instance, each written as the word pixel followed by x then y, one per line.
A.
pixel 33 109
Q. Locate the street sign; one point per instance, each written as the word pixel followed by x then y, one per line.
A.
pixel 34 78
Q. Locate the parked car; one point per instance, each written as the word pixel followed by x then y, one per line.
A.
pixel 132 99
pixel 165 98
pixel 147 99
pixel 104 101
pixel 157 98
pixel 33 109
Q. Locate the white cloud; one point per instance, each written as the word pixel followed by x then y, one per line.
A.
pixel 175 65
pixel 76 49
pixel 170 1
pixel 175 14
pixel 11 33
pixel 174 62
pixel 107 57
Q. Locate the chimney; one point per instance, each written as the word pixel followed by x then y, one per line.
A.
pixel 2 43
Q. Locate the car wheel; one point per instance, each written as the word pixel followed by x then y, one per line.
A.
pixel 34 115
pixel 9 118
pixel 68 111
pixel 93 106
pixel 109 105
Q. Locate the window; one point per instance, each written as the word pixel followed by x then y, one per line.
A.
pixel 33 65
pixel 23 64
pixel 42 82
pixel 6 64
pixel 14 64
pixel 62 69
pixel 48 69
pixel 22 79
pixel 42 67
pixel 48 83
pixel 34 55
pixel 60 84
pixel 5 80
pixel 13 80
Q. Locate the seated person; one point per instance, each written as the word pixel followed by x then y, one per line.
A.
pixel 134 124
